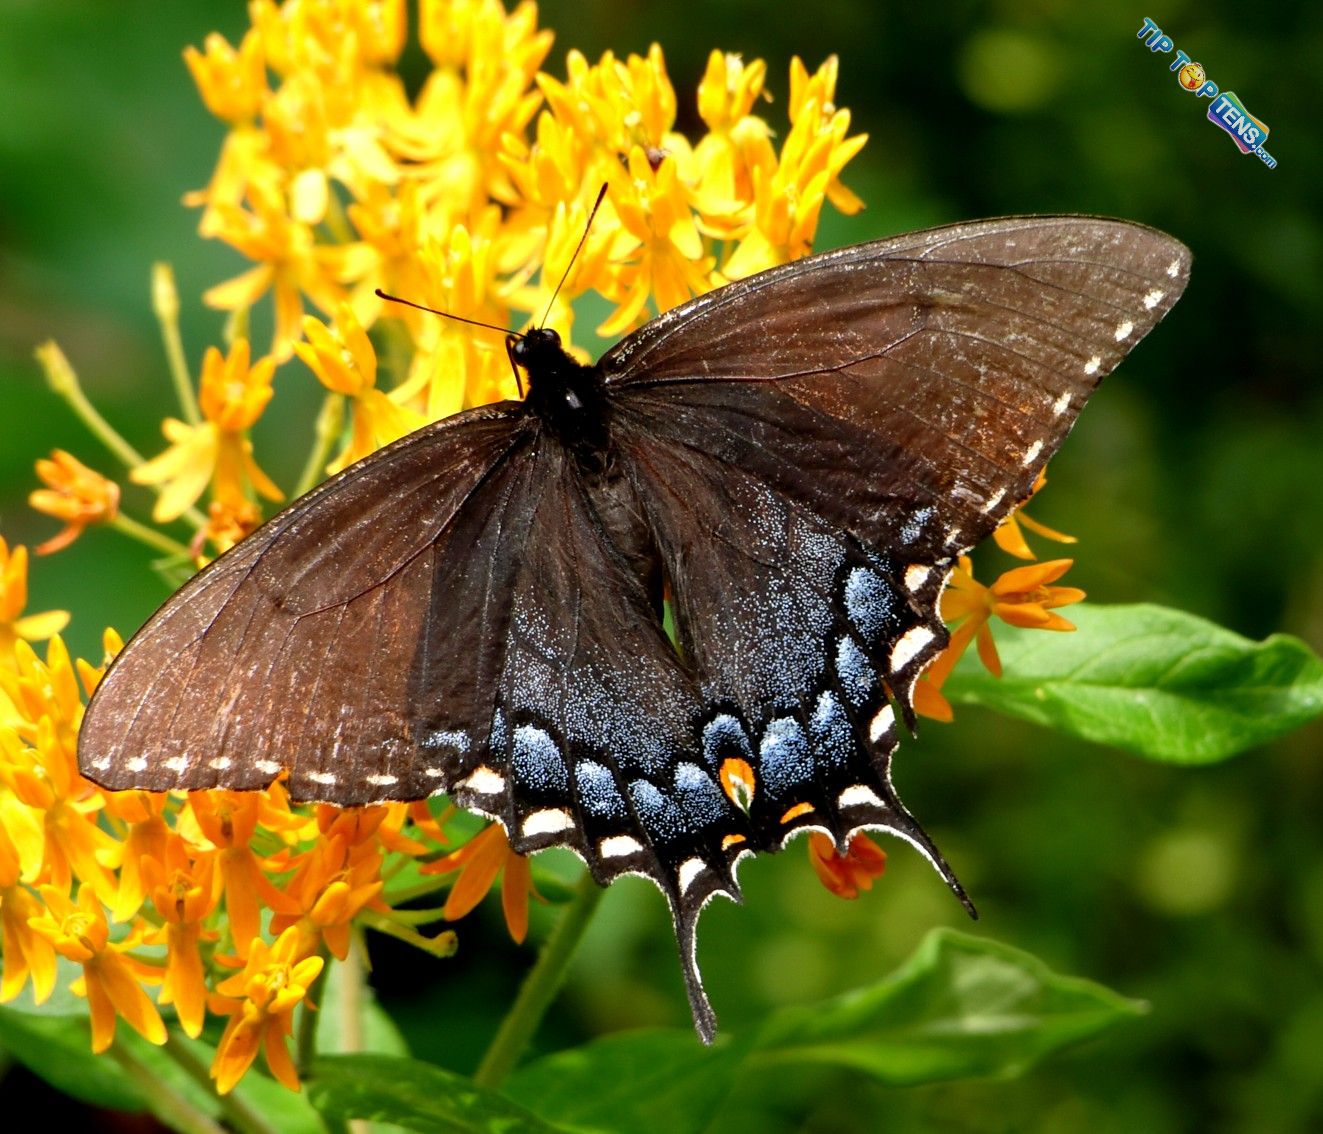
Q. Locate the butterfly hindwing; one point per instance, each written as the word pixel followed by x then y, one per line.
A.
pixel 594 718
pixel 805 645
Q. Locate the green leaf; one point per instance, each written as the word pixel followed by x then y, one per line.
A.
pixel 58 1050
pixel 646 1080
pixel 961 1007
pixel 415 1095
pixel 1154 681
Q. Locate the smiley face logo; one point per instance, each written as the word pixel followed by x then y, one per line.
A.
pixel 1191 76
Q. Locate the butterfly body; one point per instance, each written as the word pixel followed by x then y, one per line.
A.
pixel 797 458
pixel 567 397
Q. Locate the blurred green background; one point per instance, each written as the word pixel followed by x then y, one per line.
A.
pixel 1195 479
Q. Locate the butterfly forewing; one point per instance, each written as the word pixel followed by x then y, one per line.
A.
pixel 934 370
pixel 294 650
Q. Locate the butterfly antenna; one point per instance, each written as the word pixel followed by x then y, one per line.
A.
pixel 601 194
pixel 444 314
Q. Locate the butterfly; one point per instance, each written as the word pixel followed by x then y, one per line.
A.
pixel 793 461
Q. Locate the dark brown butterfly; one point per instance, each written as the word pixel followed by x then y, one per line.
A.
pixel 799 457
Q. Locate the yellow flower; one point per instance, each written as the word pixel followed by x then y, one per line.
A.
pixel 260 1002
pixel 738 143
pixel 110 979
pixel 15 626
pixel 342 357
pixel 217 451
pixel 291 262
pixel 24 952
pixel 75 494
pixel 43 772
pixel 479 861
pixel 480 91
pixel 789 200
pixel 665 259
pixel 232 83
pixel 845 875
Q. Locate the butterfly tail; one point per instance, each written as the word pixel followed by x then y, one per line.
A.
pixel 899 822
pixel 685 918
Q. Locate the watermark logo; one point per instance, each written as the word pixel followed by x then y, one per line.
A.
pixel 1224 110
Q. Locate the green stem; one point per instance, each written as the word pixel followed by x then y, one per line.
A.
pixel 540 987
pixel 329 423
pixel 150 536
pixel 239 1116
pixel 170 1106
pixel 166 302
pixel 306 1044
pixel 442 945
pixel 62 379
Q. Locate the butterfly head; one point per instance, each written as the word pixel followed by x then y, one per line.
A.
pixel 536 349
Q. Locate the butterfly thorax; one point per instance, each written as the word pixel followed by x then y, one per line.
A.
pixel 565 395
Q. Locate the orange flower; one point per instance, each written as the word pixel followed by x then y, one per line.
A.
pixel 845 875
pixel 334 881
pixel 1022 596
pixel 110 979
pixel 260 1002
pixel 228 521
pixel 75 494
pixel 228 820
pixel 184 893
pixel 14 624
pixel 145 840
pixel 1011 539
pixel 479 861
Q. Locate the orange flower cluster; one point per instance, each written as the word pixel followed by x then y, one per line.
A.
pixel 1022 596
pixel 227 903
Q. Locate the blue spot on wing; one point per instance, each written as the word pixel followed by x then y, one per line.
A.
pixel 537 760
pixel 869 602
pixel 784 756
pixel 659 815
pixel 853 671
pixel 597 790
pixel 723 738
pixel 698 795
pixel 829 729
